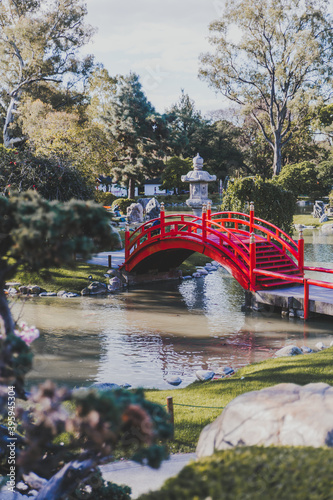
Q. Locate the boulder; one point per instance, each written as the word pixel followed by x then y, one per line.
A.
pixel 288 350
pixel 96 288
pixel 135 213
pixel 283 415
pixel 104 386
pixel 144 202
pixel 174 380
pixel 61 293
pixel 115 285
pixel 204 375
pixel 153 209
pixel 306 350
pixel 320 346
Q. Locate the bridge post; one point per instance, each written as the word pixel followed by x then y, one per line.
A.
pixel 306 300
pixel 162 219
pixel 301 251
pixel 127 237
pixel 209 213
pixel 252 261
pixel 251 217
pixel 204 222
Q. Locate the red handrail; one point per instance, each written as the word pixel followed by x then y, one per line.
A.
pixel 214 232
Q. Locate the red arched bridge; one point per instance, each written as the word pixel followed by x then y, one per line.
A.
pixel 258 254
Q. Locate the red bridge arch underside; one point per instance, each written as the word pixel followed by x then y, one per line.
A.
pixel 163 255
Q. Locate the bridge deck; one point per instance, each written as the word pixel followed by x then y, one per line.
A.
pixel 320 299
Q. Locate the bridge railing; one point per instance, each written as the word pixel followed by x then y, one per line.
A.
pixel 195 228
pixel 251 224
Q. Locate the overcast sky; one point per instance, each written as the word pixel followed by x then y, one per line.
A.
pixel 160 41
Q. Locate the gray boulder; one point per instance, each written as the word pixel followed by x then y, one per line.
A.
pixel 174 380
pixel 204 375
pixel 144 202
pixel 288 350
pixel 283 415
pixel 135 213
pixel 153 209
pixel 104 386
pixel 96 288
pixel 115 285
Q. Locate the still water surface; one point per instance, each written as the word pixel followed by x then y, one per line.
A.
pixel 143 336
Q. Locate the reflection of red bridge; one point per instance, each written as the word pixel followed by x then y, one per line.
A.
pixel 258 254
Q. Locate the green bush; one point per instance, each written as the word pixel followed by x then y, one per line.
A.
pixel 123 204
pixel 302 179
pixel 105 198
pixel 255 473
pixel 271 202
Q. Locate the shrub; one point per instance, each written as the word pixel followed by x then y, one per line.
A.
pixel 105 198
pixel 123 204
pixel 302 179
pixel 254 473
pixel 271 202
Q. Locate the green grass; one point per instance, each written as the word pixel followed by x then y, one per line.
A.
pixel 190 420
pixel 308 220
pixel 71 279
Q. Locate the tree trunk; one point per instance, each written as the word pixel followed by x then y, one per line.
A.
pixel 5 313
pixel 8 141
pixel 131 188
pixel 277 162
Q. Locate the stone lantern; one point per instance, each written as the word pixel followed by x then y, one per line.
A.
pixel 198 180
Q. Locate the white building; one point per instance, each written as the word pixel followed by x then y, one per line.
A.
pixel 152 188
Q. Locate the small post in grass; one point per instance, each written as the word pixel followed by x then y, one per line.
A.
pixel 109 261
pixel 170 411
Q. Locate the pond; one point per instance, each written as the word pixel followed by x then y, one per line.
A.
pixel 143 336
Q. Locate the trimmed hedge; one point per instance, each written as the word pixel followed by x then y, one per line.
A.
pixel 254 473
pixel 106 198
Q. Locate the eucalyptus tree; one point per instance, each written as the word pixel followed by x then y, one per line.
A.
pixel 39 42
pixel 273 58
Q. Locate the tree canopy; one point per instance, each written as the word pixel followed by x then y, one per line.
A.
pixel 274 59
pixel 39 42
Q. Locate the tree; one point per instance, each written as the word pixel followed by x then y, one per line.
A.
pixel 279 62
pixel 98 423
pixel 302 179
pixel 38 43
pixel 21 171
pixel 139 132
pixel 271 202
pixel 185 126
pixel 175 167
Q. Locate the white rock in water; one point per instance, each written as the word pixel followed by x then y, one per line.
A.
pixel 203 272
pixel 288 350
pixel 282 415
pixel 306 350
pixel 204 375
pixel 186 277
pixel 320 346
pixel 174 380
pixel 196 275
pixel 104 386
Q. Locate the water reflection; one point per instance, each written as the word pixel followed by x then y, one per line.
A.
pixel 142 336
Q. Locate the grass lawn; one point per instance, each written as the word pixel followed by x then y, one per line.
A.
pixel 205 399
pixel 308 220
pixel 71 279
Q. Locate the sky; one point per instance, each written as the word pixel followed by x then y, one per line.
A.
pixel 160 41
